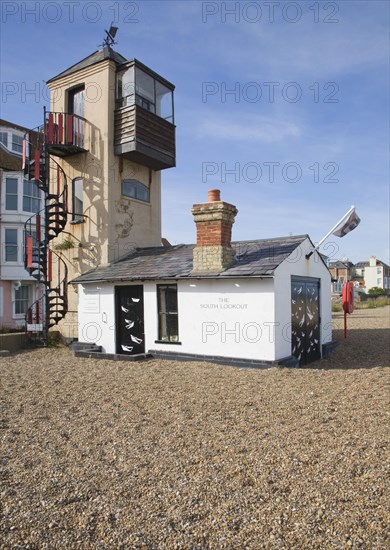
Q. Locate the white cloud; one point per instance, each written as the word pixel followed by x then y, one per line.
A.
pixel 247 128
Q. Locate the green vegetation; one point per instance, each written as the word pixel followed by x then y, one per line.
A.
pixel 376 291
pixel 368 304
pixel 66 244
pixel 373 303
pixel 7 330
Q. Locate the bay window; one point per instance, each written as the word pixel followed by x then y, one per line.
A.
pixel 136 86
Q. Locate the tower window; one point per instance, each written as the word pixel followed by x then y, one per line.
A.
pixel 137 87
pixel 77 200
pixel 135 190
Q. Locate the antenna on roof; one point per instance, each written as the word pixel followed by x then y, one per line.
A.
pixel 110 38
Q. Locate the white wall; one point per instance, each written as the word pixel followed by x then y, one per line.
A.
pixel 240 318
pixel 215 317
pixel 96 316
pixel 223 318
pixel 372 278
pixel 296 264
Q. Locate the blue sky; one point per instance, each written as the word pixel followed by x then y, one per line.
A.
pixel 285 108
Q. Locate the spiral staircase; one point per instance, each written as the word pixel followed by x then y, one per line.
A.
pixel 42 262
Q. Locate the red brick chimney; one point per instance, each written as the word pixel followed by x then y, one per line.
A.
pixel 214 220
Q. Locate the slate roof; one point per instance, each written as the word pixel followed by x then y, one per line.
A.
pixel 257 258
pixel 95 57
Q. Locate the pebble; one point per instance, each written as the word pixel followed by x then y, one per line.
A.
pixel 201 456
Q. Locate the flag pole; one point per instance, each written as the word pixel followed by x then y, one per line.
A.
pixel 307 256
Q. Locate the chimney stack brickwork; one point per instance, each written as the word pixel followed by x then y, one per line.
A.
pixel 214 220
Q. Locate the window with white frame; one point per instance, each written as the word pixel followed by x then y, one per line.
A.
pixel 31 196
pixel 21 299
pixel 11 245
pixel 168 326
pixel 11 194
pixel 17 144
pixel 4 138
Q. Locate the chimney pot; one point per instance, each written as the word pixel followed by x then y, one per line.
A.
pixel 214 195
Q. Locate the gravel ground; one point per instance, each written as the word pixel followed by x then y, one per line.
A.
pixel 159 454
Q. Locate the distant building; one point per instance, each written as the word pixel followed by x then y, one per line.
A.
pixel 375 273
pixel 365 274
pixel 341 272
pixel 19 200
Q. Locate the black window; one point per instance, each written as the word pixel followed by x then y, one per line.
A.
pixel 168 326
pixel 135 190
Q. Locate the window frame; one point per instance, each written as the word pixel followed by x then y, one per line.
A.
pixel 19 149
pixel 138 187
pixel 11 194
pixel 164 334
pixel 31 198
pixel 77 216
pixel 4 133
pixel 132 93
pixel 12 245
pixel 15 301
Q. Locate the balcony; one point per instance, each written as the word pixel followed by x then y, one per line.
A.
pixel 66 134
pixel 144 137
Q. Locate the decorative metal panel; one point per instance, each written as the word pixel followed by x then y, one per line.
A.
pixel 305 319
pixel 130 337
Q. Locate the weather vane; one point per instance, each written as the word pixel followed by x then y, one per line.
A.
pixel 110 38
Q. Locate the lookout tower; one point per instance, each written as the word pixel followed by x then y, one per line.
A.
pixel 109 133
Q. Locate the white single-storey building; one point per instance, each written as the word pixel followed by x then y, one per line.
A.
pixel 257 302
